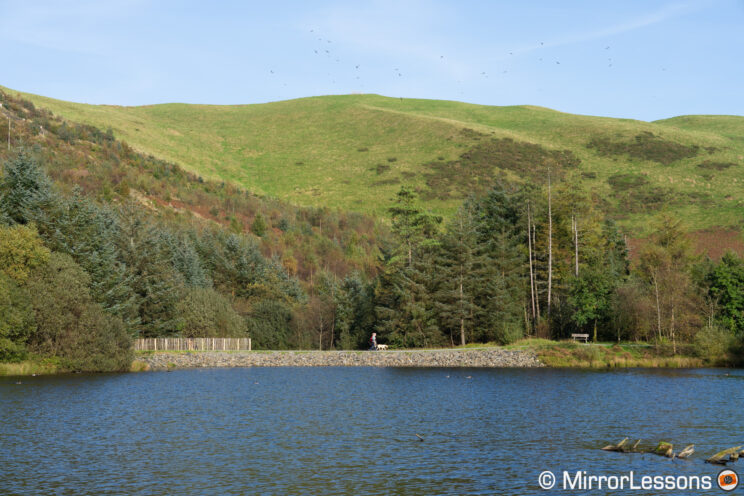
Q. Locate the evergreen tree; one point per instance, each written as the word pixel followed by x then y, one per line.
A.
pixel 502 294
pixel 502 279
pixel 259 227
pixel 157 287
pixel 25 189
pixel 403 303
pixel 185 259
pixel 460 264
pixel 88 233
pixel 354 312
pixel 413 227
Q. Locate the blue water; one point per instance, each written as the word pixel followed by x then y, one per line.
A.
pixel 352 431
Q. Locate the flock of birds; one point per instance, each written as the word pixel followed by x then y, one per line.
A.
pixel 324 48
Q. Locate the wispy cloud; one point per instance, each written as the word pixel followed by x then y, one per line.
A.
pixel 663 14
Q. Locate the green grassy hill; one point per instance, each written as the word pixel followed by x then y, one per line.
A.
pixel 355 151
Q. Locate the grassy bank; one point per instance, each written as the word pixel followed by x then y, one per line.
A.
pixel 30 367
pixel 563 354
pixel 608 355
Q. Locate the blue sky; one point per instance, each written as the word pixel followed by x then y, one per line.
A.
pixel 637 59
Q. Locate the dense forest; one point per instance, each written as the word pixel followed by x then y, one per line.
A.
pixel 100 244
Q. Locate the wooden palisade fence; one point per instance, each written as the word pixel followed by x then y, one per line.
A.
pixel 192 344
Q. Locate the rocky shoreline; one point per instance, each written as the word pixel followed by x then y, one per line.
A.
pixel 490 358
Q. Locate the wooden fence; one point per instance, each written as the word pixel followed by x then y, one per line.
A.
pixel 192 344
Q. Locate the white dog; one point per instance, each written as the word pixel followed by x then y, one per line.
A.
pixel 381 347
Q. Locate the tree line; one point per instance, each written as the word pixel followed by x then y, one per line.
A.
pixel 80 278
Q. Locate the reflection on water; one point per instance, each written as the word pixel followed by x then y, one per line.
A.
pixel 352 430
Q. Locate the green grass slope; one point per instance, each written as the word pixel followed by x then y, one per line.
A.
pixel 355 151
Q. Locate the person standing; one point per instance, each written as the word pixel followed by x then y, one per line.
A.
pixel 373 342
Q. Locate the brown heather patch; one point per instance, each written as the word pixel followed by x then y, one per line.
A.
pixel 713 242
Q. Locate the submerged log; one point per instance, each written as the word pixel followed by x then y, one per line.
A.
pixel 720 457
pixel 619 447
pixel 687 452
pixel 662 449
pixel 665 449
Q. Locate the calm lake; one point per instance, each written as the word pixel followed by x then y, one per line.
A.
pixel 353 431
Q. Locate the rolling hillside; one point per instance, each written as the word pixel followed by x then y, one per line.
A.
pixel 355 151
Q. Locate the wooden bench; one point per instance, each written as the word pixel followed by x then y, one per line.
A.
pixel 585 337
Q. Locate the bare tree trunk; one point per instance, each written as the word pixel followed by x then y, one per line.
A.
pixel 671 331
pixel 320 330
pixel 532 277
pixel 575 227
pixel 550 247
pixel 537 295
pixel 658 306
pixel 462 319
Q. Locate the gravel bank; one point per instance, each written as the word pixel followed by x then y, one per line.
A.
pixel 429 358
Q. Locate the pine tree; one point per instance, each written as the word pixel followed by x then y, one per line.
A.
pixel 501 280
pixel 413 227
pixel 259 227
pixel 88 232
pixel 459 263
pixel 25 189
pixel 403 303
pixel 403 297
pixel 156 285
pixel 185 259
pixel 502 297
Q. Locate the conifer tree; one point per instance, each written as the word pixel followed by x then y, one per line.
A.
pixel 25 189
pixel 156 285
pixel 460 265
pixel 88 233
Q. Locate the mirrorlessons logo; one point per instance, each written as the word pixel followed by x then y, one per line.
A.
pixel 582 481
pixel 727 480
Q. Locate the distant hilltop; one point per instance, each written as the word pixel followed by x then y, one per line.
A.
pixel 355 151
